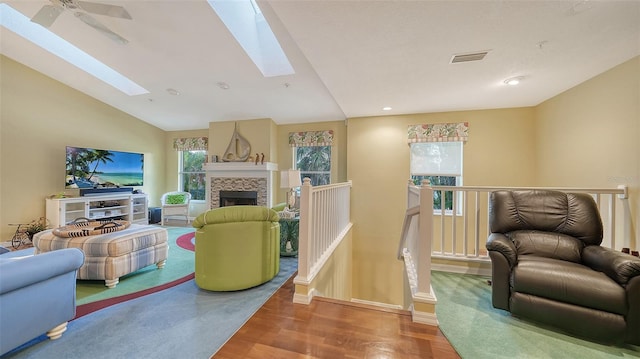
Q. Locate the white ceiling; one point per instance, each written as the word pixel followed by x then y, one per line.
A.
pixel 351 58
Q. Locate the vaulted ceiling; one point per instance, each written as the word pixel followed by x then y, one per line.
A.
pixel 351 58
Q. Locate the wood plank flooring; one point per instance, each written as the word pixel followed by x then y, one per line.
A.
pixel 332 329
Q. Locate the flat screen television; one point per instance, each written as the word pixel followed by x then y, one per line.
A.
pixel 91 168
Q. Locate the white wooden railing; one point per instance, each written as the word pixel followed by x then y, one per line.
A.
pixel 324 221
pixel 460 233
pixel 415 251
pixel 463 235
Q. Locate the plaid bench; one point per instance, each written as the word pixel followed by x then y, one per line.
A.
pixel 110 256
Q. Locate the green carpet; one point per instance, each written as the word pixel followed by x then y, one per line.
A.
pixel 179 264
pixel 477 330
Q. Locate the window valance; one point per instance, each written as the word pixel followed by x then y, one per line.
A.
pixel 311 138
pixel 191 144
pixel 438 132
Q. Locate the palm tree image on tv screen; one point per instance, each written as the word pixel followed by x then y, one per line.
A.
pixel 91 168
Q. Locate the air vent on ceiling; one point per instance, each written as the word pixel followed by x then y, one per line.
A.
pixel 475 56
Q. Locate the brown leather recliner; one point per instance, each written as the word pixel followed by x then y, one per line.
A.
pixel 548 266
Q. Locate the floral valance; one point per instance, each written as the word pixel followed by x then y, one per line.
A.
pixel 311 138
pixel 191 144
pixel 438 132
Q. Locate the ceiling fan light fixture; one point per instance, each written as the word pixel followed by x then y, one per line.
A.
pixel 81 9
pixel 16 22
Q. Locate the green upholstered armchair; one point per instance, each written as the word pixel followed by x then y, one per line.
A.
pixel 237 247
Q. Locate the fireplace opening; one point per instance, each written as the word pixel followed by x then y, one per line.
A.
pixel 238 198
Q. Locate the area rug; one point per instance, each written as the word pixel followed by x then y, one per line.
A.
pixel 477 330
pixel 92 295
pixel 183 321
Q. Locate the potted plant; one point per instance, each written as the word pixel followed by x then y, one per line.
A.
pixel 37 225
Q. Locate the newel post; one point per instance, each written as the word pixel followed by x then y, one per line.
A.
pixel 425 232
pixel 305 232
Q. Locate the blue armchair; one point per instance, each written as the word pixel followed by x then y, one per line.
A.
pixel 37 294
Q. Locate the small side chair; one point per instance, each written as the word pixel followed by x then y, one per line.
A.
pixel 175 204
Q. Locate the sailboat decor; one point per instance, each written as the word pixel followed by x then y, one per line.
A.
pixel 238 149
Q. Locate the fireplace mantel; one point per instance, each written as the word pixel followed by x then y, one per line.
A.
pixel 234 176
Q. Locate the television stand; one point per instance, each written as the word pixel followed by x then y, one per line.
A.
pixel 125 206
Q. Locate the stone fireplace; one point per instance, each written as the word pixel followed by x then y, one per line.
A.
pixel 243 179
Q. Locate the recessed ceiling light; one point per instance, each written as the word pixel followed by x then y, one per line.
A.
pixel 512 81
pixel 386 108
pixel 173 92
pixel 223 85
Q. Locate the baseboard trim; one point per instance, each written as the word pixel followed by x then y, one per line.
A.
pixel 376 304
pixel 424 318
pixel 486 272
pixel 304 299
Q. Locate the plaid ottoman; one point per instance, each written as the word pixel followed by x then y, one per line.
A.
pixel 110 256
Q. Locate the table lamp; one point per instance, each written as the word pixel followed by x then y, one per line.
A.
pixel 290 179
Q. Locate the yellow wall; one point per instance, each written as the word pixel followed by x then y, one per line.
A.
pixel 257 132
pixel 261 135
pixel 334 279
pixel 589 136
pixel 500 151
pixel 41 116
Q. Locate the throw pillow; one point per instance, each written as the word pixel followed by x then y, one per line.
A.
pixel 175 199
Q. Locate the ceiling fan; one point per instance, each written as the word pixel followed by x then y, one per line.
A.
pixel 49 13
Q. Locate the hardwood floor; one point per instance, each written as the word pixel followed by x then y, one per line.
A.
pixel 332 329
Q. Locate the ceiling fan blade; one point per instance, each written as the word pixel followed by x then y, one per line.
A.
pixel 47 15
pixel 87 19
pixel 104 9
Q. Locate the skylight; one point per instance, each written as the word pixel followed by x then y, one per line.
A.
pixel 16 22
pixel 247 24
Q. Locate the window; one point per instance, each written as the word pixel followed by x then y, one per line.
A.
pixel 192 176
pixel 314 162
pixel 441 164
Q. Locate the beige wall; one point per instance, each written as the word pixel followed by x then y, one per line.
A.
pixel 334 279
pixel 500 151
pixel 261 135
pixel 257 132
pixel 39 117
pixel 589 136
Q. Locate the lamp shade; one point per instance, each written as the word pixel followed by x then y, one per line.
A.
pixel 290 179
